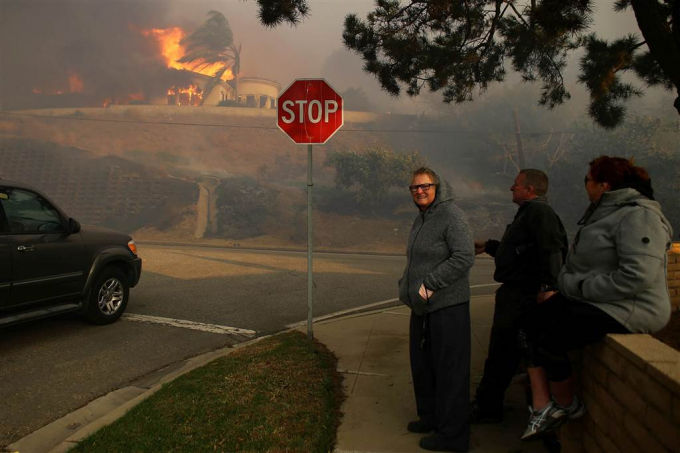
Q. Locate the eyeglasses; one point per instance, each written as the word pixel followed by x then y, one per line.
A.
pixel 425 187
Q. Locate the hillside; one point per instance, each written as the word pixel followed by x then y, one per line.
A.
pixel 168 153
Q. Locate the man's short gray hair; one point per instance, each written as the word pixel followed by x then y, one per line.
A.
pixel 537 179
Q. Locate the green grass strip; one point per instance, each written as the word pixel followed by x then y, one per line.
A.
pixel 280 394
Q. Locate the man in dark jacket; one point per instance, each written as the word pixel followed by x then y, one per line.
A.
pixel 436 286
pixel 528 259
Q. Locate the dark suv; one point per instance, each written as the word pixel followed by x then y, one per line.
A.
pixel 50 265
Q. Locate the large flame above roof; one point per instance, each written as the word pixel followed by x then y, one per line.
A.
pixel 169 40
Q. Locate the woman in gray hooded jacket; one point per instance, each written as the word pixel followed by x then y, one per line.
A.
pixel 613 281
pixel 436 286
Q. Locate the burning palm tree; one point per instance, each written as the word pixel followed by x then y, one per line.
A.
pixel 213 44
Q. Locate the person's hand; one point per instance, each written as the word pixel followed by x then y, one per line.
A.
pixel 479 247
pixel 425 293
pixel 544 295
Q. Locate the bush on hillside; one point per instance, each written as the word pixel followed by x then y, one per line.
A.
pixel 243 206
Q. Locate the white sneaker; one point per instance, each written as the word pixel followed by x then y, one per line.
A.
pixel 543 420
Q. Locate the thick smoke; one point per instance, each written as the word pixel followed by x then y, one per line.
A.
pixel 43 43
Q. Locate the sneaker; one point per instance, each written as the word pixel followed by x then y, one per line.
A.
pixel 575 410
pixel 419 426
pixel 544 420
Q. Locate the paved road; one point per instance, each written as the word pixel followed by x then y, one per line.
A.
pixel 205 297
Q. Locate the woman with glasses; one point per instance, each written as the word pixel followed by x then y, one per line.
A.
pixel 613 281
pixel 435 285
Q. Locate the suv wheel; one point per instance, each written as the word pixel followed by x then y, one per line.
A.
pixel 108 297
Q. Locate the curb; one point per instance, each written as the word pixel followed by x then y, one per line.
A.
pixel 64 433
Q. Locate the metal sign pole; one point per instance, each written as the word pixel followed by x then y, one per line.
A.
pixel 299 112
pixel 310 282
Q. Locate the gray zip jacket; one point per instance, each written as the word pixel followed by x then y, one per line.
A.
pixel 618 261
pixel 440 254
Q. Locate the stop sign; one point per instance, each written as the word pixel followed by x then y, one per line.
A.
pixel 309 111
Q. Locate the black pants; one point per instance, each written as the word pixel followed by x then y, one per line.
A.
pixel 512 304
pixel 559 325
pixel 440 367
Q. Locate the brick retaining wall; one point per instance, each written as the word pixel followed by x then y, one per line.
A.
pixel 631 387
pixel 674 275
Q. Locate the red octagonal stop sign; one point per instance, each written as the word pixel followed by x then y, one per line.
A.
pixel 309 111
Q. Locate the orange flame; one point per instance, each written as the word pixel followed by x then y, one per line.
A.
pixel 190 95
pixel 192 90
pixel 75 83
pixel 169 41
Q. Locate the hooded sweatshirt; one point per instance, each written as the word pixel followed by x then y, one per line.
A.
pixel 618 261
pixel 440 253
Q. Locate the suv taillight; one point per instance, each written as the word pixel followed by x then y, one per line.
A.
pixel 132 246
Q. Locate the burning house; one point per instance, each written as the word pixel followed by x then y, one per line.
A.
pixel 253 92
pixel 141 66
pixel 204 89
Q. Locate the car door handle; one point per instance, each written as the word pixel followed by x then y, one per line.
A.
pixel 26 248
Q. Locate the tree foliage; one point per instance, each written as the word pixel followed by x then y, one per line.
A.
pixel 371 174
pixel 273 12
pixel 458 47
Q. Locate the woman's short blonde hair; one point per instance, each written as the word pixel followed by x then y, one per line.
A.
pixel 427 171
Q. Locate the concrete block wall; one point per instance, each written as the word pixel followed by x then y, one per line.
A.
pixel 631 387
pixel 674 276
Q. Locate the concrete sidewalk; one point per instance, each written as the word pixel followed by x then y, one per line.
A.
pixel 372 351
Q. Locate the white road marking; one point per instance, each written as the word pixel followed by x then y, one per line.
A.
pixel 183 323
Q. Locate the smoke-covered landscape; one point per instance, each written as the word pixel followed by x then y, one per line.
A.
pixel 163 120
pixel 96 113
